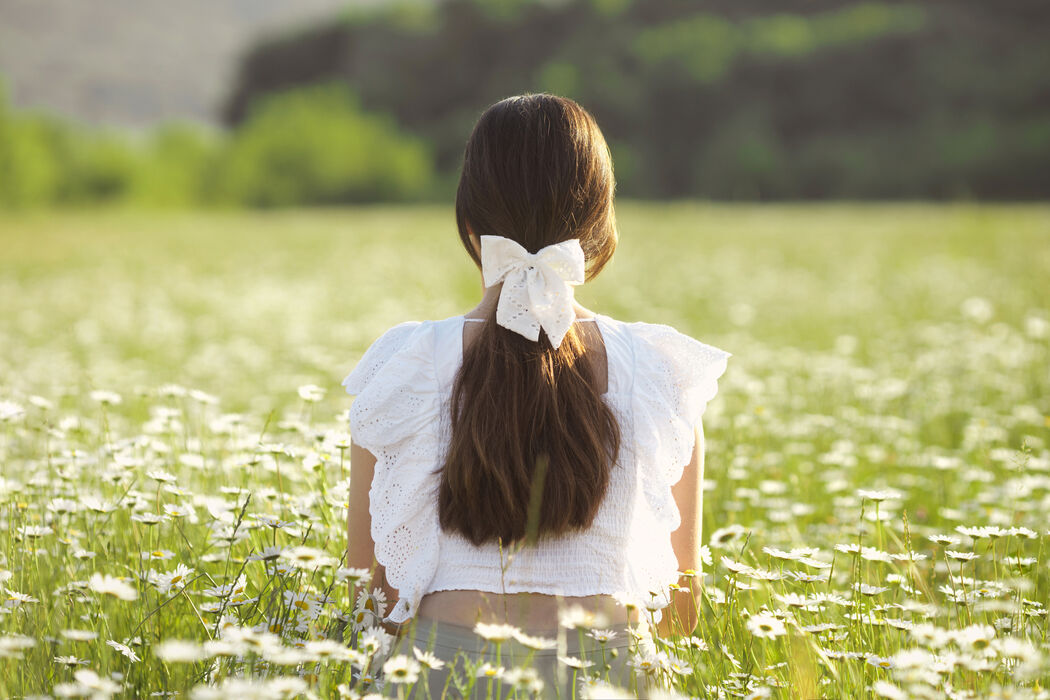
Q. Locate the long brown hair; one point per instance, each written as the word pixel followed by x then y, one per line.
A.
pixel 533 442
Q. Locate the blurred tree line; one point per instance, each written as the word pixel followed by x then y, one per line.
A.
pixel 729 99
pixel 307 146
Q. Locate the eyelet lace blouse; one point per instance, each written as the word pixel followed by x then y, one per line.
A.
pixel 659 382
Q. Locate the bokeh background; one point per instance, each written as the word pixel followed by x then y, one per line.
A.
pixel 209 209
pixel 267 104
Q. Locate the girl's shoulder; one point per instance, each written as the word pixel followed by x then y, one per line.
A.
pixel 395 340
pixel 674 369
pixel 660 340
pixel 654 352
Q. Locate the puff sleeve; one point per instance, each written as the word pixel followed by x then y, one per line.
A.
pixel 396 417
pixel 675 378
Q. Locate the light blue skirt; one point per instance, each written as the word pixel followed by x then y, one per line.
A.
pixel 464 652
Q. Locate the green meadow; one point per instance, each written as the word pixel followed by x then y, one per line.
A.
pixel 174 461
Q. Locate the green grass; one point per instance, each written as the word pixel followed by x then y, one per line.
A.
pixel 874 346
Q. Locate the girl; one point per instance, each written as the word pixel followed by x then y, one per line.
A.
pixel 530 462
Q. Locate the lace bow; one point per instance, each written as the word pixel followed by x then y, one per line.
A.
pixel 537 291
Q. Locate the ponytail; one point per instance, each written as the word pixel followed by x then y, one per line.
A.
pixel 533 442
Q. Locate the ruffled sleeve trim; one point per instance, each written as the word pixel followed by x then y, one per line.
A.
pixel 396 417
pixel 676 376
pixel 376 356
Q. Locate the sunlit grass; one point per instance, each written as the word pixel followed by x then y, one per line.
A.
pixel 173 443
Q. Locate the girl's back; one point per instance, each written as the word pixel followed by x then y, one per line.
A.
pixel 656 380
pixel 530 451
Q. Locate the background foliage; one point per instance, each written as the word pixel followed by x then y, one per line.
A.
pixel 728 99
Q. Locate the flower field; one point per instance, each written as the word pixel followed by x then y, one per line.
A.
pixel 174 449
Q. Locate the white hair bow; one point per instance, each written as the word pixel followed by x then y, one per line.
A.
pixel 536 286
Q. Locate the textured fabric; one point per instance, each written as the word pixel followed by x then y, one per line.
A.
pixel 537 289
pixel 464 651
pixel 659 383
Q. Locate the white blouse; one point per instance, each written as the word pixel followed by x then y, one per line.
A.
pixel 659 382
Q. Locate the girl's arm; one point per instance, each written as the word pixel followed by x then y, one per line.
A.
pixel 688 495
pixel 360 546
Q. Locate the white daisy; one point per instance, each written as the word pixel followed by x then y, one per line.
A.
pixel 304 557
pixel 113 586
pixel 70 661
pixel 961 556
pixel 602 636
pixel 123 649
pixel 402 669
pixel 524 678
pixel 578 617
pixel 573 662
pixel 496 632
pixel 79 635
pixel 106 398
pixel 179 651
pixel 880 495
pixel 11 646
pixel 538 643
pixel 173 510
pixel 165 581
pixel 488 670
pixel 727 536
pixel 886 689
pixel 354 576
pixel 878 661
pixel 428 659
pixel 765 626
pixel 86 678
pixel 311 393
pixel 161 554
pixel 161 475
pixel 268 554
pixel 975 638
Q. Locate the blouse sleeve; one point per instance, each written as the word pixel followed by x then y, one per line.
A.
pixel 377 355
pixel 675 378
pixel 396 417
